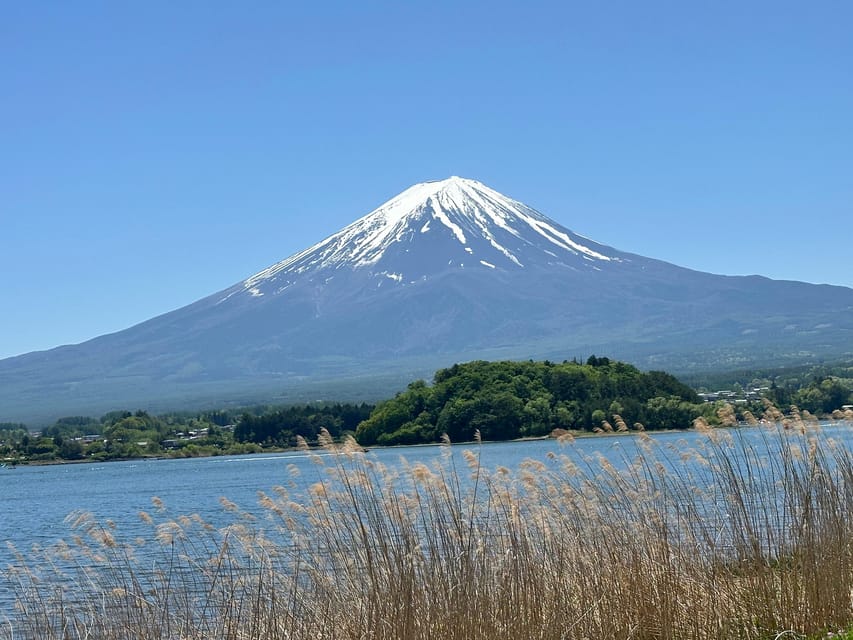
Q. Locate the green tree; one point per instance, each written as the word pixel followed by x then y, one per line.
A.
pixel 671 412
pixel 71 450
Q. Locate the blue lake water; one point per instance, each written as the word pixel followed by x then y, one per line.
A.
pixel 36 499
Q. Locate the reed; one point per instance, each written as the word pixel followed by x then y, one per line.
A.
pixel 748 535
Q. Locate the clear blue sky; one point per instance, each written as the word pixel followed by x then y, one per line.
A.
pixel 153 153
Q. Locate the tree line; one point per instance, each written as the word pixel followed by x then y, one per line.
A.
pixel 125 434
pixel 500 400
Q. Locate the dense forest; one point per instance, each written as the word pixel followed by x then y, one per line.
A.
pixel 281 427
pixel 505 400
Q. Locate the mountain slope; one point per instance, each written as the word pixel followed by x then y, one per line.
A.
pixel 446 271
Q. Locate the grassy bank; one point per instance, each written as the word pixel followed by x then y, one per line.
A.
pixel 749 535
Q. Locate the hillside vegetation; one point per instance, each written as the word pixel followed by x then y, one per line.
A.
pixel 820 388
pixel 505 400
pixel 500 400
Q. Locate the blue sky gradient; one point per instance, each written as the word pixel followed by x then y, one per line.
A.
pixel 154 153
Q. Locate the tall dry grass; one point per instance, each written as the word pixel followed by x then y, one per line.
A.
pixel 745 536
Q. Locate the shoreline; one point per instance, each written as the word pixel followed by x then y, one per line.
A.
pixel 572 434
pixel 12 465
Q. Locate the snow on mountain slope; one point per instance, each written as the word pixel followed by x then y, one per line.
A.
pixel 445 272
pixel 431 227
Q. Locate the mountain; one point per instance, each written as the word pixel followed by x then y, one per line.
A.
pixel 446 271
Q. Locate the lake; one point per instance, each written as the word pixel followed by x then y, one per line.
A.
pixel 37 499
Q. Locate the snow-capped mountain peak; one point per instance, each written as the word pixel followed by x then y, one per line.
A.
pixel 432 227
pixel 444 272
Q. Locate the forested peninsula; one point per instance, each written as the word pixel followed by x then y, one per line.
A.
pixel 507 400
